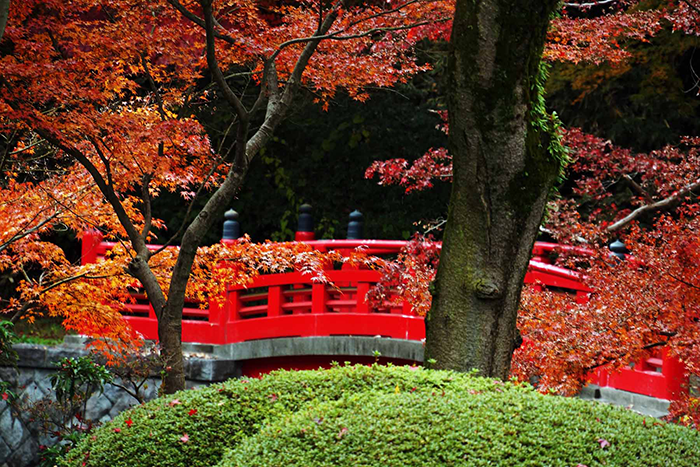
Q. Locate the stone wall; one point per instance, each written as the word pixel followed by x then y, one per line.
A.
pixel 19 440
pixel 204 364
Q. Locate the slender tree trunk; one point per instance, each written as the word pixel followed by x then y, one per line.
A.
pixel 502 176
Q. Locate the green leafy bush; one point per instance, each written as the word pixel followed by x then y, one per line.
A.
pixel 382 408
pixel 512 428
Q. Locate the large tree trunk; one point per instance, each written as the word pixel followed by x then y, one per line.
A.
pixel 502 176
pixel 4 13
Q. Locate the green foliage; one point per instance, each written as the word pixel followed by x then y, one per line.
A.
pixel 515 427
pixel 51 455
pixel 547 125
pixel 78 377
pixel 8 356
pixel 195 428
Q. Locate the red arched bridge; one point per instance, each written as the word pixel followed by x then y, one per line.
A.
pixel 288 321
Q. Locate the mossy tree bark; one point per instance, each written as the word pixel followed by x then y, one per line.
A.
pixel 502 176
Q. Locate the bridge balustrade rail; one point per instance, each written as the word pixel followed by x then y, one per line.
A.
pixel 291 305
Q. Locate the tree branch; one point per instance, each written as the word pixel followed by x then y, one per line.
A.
pixel 583 6
pixel 200 22
pixel 4 13
pixel 146 198
pixel 277 105
pixel 638 188
pixel 23 234
pixel 664 203
pixel 687 2
pixel 213 65
pixel 337 37
pixel 154 87
pixel 682 281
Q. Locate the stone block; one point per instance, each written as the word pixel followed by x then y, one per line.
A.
pixel 123 403
pixel 32 392
pixel 44 382
pixel 26 454
pixel 12 431
pixel 97 407
pixel 5 451
pixel 31 355
pixel 193 368
pixel 8 374
pixel 55 354
pixel 26 377
pixel 221 370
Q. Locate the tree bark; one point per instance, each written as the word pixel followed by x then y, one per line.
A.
pixel 4 13
pixel 502 176
pixel 278 103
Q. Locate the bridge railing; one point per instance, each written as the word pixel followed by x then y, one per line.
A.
pixel 291 305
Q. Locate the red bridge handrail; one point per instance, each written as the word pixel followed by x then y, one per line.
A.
pixel 292 305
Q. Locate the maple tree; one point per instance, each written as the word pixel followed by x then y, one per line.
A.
pixel 110 90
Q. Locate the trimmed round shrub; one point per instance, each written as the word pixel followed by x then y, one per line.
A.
pixel 511 428
pixel 366 416
pixel 193 428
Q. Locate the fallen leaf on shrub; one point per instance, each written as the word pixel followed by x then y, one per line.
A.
pixel 175 402
pixel 603 443
pixel 129 423
pixel 342 432
pixel 117 430
pixel 185 438
pixel 5 396
pixel 581 465
pixel 192 412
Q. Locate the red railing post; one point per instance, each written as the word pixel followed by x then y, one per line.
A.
pixel 319 297
pixel 361 296
pixel 674 373
pixel 89 246
pixel 274 301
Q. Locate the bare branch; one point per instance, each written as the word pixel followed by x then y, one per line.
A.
pixel 200 22
pixel 637 188
pixel 662 204
pixel 337 35
pixel 27 232
pixel 683 281
pixel 586 5
pixel 105 161
pixel 146 198
pixel 277 105
pixel 268 85
pixel 187 213
pixel 213 65
pixel 154 87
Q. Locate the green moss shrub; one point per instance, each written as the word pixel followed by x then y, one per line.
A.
pixel 511 428
pixel 366 416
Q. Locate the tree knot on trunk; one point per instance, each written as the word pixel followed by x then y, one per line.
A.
pixel 136 265
pixel 487 289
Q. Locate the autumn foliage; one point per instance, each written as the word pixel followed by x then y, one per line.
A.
pixel 642 304
pixel 98 108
